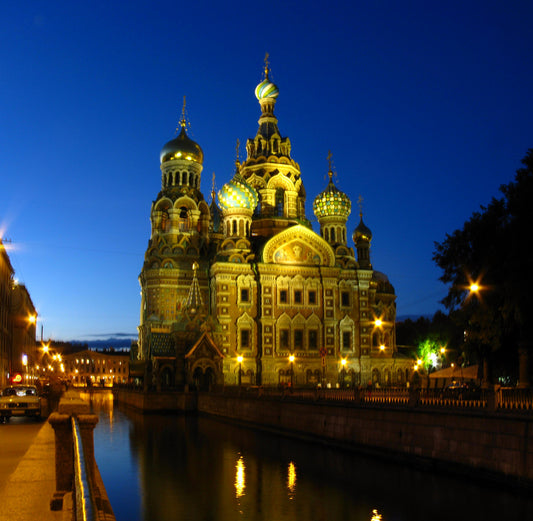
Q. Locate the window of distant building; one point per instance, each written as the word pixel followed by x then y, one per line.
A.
pixel 298 339
pixel 312 297
pixel 312 339
pixel 297 296
pixel 245 339
pixel 345 298
pixel 245 295
pixel 283 296
pixel 346 340
pixel 284 338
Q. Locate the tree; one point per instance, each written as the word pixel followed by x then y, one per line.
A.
pixel 441 329
pixel 492 250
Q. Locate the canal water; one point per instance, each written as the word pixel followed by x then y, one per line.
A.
pixel 177 468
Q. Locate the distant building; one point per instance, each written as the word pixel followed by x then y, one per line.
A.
pixel 6 329
pixel 243 291
pixel 96 368
pixel 18 320
pixel 24 319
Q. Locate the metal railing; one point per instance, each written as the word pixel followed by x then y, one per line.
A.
pixel 84 500
pixel 502 399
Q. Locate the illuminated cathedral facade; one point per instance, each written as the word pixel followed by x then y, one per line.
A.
pixel 242 291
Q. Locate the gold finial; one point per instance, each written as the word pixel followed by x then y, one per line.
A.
pixel 183 120
pixel 237 159
pixel 267 66
pixel 213 187
pixel 330 165
pixel 360 204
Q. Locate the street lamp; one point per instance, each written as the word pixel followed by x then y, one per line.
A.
pixel 343 371
pixel 291 360
pixel 240 359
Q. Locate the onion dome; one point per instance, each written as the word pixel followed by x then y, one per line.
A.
pixel 332 202
pixel 266 89
pixel 362 232
pixel 182 147
pixel 238 194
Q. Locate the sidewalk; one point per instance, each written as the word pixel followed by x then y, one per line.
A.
pixel 27 493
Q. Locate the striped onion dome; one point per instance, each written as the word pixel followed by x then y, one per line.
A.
pixel 266 89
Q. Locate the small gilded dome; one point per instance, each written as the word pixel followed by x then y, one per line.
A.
pixel 266 89
pixel 237 194
pixel 362 232
pixel 182 147
pixel 332 202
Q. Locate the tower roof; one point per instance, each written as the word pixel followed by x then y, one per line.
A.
pixel 362 232
pixel 332 202
pixel 266 89
pixel 182 146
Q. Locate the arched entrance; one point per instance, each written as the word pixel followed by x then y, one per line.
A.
pixel 203 379
pixel 167 377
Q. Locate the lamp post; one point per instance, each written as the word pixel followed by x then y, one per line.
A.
pixel 291 360
pixel 240 359
pixel 343 371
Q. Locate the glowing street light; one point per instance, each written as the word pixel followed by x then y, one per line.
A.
pixel 240 359
pixel 291 360
pixel 343 370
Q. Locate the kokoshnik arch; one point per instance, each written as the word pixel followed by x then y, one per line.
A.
pixel 243 291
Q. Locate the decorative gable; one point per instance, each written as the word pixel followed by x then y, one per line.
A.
pixel 298 245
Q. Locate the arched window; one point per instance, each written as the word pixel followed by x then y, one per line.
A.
pixel 183 223
pixel 165 221
pixel 280 202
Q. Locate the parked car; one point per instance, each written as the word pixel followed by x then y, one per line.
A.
pixel 20 400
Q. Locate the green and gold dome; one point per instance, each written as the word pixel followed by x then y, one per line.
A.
pixel 266 90
pixel 237 194
pixel 332 202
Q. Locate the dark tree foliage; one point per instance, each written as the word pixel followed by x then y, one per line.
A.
pixel 440 328
pixel 493 248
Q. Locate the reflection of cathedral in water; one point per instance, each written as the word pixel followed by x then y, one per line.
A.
pixel 233 288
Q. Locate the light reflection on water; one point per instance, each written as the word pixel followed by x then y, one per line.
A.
pixel 178 468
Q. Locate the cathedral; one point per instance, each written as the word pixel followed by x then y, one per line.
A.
pixel 242 291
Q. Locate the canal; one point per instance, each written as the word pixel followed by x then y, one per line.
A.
pixel 177 468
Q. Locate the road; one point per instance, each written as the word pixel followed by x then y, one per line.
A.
pixel 15 439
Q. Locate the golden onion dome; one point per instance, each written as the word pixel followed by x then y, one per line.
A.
pixel 182 147
pixel 362 232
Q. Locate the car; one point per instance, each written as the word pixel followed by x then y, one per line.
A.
pixel 20 400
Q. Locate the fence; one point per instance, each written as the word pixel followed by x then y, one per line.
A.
pixel 80 492
pixel 501 399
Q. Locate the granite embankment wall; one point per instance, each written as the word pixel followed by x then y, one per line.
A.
pixel 156 402
pixel 494 446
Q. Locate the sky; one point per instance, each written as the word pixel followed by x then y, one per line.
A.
pixel 427 108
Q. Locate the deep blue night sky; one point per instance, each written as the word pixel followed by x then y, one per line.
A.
pixel 427 108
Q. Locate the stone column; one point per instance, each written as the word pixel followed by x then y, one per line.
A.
pixel 64 458
pixel 87 423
